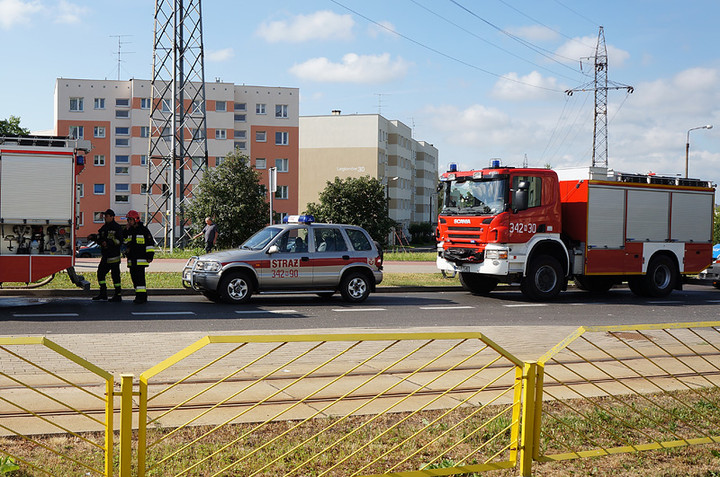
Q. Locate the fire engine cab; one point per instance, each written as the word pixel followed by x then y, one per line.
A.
pixel 593 225
pixel 37 207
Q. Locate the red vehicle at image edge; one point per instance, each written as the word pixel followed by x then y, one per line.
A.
pixel 38 207
pixel 593 225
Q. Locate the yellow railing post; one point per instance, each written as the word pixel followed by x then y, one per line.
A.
pixel 142 428
pixel 527 436
pixel 109 429
pixel 126 388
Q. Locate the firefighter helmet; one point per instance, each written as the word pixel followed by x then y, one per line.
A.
pixel 133 214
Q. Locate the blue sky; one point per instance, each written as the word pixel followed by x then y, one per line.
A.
pixel 478 79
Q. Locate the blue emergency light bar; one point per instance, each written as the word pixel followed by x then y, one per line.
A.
pixel 298 219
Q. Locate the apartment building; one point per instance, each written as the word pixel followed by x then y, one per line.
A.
pixel 361 145
pixel 261 122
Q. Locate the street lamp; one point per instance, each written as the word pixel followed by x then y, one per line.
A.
pixel 687 145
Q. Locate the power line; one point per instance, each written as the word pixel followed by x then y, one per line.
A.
pixel 438 52
pixel 594 23
pixel 487 41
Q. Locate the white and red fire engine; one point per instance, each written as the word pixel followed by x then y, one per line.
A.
pixel 37 207
pixel 595 226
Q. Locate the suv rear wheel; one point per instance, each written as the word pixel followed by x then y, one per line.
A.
pixel 355 287
pixel 235 287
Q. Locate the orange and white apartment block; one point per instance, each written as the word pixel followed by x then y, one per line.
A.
pixel 261 122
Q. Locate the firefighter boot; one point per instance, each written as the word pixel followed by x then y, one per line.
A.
pixel 117 297
pixel 102 296
pixel 140 298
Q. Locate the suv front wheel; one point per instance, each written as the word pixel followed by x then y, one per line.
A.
pixel 235 287
pixel 355 287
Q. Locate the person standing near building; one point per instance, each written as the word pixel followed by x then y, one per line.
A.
pixel 140 252
pixel 210 232
pixel 109 237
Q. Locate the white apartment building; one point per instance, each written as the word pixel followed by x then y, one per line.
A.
pixel 262 122
pixel 361 145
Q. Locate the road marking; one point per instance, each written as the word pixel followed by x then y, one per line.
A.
pixel 713 301
pixel 466 307
pixel 359 309
pixel 163 313
pixel 666 303
pixel 250 312
pixel 523 305
pixel 43 315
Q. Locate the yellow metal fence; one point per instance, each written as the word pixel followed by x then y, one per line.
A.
pixel 400 404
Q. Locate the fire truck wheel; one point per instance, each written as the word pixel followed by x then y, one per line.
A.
pixel 355 287
pixel 661 277
pixel 477 284
pixel 544 279
pixel 235 288
pixel 637 286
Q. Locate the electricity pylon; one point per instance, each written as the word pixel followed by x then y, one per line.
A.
pixel 178 127
pixel 600 85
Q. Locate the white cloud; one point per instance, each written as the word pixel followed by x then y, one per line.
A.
pixel 322 25
pixel 387 28
pixel 221 55
pixel 16 12
pixel 584 47
pixel 353 69
pixel 69 13
pixel 534 33
pixel 532 86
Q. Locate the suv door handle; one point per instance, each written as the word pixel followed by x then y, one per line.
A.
pixel 346 257
pixel 305 259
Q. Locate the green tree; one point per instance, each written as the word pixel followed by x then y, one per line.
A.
pixel 356 201
pixel 716 226
pixel 232 195
pixel 12 126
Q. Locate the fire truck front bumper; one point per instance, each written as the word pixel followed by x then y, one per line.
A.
pixel 496 262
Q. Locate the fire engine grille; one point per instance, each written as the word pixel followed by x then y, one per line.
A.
pixel 464 236
pixel 466 229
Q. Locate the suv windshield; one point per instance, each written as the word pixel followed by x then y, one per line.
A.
pixel 261 238
pixel 475 196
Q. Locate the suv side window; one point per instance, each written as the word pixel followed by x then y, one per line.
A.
pixel 359 240
pixel 293 241
pixel 329 240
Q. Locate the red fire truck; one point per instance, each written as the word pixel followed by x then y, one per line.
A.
pixel 598 227
pixel 37 207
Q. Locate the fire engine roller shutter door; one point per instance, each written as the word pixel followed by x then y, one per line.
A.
pixel 606 208
pixel 648 215
pixel 36 186
pixel 688 210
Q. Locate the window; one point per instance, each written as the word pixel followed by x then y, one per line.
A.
pixel 122 159
pixel 143 160
pixel 282 165
pixel 122 113
pixel 294 241
pixel 281 110
pixel 329 240
pixel 240 145
pixel 122 171
pixel 81 219
pixel 143 189
pixel 76 104
pixel 220 106
pixel 260 163
pixel 145 103
pixel 240 106
pixel 122 142
pixel 99 131
pixel 260 108
pixel 240 118
pixel 81 190
pixel 534 191
pixel 197 163
pixel 144 131
pixel 197 133
pixel 359 240
pixel 99 103
pixel 122 131
pixel 122 192
pixel 282 192
pixel 219 160
pixel 281 138
pixel 220 134
pixel 77 132
pixel 99 160
pixel 198 107
pixel 99 189
pixel 260 136
pixel 98 217
pixel 122 102
pixel 122 187
pixel 240 134
pixel 166 105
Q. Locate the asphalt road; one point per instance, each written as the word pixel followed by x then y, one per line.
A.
pixel 26 316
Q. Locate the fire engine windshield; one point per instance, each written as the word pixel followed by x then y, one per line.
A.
pixel 475 196
pixel 261 238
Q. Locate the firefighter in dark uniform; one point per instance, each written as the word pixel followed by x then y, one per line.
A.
pixel 110 238
pixel 140 252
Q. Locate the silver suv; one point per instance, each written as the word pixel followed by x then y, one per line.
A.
pixel 299 257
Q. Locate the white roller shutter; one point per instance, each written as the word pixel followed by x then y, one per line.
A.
pixel 691 214
pixel 37 187
pixel 606 213
pixel 648 215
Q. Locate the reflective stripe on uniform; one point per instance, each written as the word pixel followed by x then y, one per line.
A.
pixel 141 263
pixel 149 249
pixel 103 282
pixel 114 259
pixel 141 290
pixel 140 240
